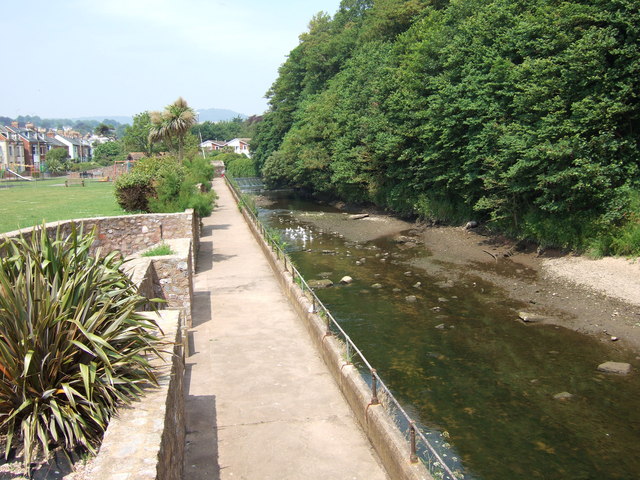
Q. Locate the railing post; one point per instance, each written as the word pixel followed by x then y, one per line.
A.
pixel 374 388
pixel 285 262
pixel 348 351
pixel 413 457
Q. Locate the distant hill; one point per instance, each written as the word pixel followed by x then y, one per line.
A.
pixel 204 115
pixel 217 114
pixel 101 118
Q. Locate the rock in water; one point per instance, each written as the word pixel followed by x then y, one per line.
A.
pixel 619 368
pixel 322 283
pixel 358 216
pixel 562 396
pixel 376 285
pixel 471 224
pixel 528 317
pixel 346 280
pixel 411 298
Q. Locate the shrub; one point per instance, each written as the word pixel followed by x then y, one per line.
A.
pixel 242 167
pixel 72 345
pixel 133 190
pixel 162 249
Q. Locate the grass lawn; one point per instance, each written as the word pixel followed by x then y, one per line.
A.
pixel 25 204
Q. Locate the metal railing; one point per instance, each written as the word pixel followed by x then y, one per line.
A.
pixel 421 449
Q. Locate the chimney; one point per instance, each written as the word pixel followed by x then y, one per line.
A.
pixel 14 124
pixel 51 134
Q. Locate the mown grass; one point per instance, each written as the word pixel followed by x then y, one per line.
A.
pixel 24 204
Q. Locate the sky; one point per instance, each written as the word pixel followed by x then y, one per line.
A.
pixel 75 58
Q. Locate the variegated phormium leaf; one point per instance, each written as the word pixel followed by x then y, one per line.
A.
pixel 73 346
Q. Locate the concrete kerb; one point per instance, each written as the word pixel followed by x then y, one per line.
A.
pixel 377 424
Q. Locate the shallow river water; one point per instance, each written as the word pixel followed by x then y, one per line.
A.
pixel 463 365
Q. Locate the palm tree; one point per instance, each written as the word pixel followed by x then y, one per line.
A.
pixel 172 125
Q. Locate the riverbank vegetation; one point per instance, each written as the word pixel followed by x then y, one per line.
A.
pixel 521 114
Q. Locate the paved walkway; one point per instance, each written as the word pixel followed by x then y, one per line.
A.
pixel 260 402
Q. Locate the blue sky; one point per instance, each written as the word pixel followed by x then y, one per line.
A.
pixel 71 58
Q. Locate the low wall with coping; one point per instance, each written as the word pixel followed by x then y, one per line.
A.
pixel 386 438
pixel 146 440
pixel 169 277
pixel 129 233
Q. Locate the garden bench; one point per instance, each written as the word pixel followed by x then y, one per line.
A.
pixel 74 181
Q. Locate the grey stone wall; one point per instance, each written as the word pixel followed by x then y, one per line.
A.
pixel 146 440
pixel 130 233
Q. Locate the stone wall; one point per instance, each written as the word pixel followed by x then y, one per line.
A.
pixel 146 440
pixel 130 233
pixel 169 277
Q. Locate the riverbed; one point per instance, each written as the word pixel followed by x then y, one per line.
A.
pixel 443 331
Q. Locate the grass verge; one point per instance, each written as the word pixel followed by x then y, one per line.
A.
pixel 25 204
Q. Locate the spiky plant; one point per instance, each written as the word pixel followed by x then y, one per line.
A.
pixel 73 346
pixel 172 125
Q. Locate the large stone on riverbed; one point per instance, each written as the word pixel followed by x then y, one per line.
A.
pixel 528 317
pixel 320 283
pixel 618 368
pixel 358 216
pixel 346 280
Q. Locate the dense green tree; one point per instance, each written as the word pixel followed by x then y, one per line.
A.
pixel 57 160
pixel 136 136
pixel 523 113
pixel 104 130
pixel 109 152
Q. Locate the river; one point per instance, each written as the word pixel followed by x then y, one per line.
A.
pixel 463 365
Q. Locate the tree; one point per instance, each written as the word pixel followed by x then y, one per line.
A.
pixel 107 153
pixel 136 136
pixel 57 160
pixel 172 125
pixel 104 130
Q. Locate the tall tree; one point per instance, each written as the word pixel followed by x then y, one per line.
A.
pixel 172 125
pixel 136 136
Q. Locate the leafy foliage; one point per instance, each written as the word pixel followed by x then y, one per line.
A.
pixel 237 165
pixel 133 191
pixel 520 113
pixel 107 153
pixel 162 185
pixel 172 125
pixel 72 345
pixel 162 249
pixel 57 160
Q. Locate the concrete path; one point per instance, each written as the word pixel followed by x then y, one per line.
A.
pixel 260 402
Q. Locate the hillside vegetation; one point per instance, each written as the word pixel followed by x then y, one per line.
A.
pixel 519 113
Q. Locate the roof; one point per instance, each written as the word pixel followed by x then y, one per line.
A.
pixel 136 155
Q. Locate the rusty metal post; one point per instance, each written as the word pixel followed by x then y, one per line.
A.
pixel 313 302
pixel 374 388
pixel 413 457
pixel 285 262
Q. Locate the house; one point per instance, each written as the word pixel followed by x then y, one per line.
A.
pixel 211 145
pixel 11 151
pixel 240 145
pixel 34 146
pixel 79 149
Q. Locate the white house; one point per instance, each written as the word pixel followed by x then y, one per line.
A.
pixel 79 149
pixel 213 145
pixel 240 145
